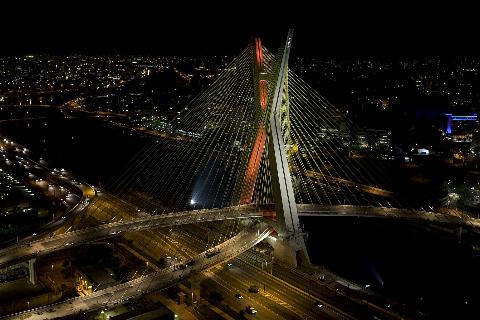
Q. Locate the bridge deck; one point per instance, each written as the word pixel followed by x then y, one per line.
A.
pixel 24 251
pixel 384 212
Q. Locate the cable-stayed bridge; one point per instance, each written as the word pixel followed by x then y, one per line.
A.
pixel 258 143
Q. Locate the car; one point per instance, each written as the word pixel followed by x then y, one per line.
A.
pixel 212 253
pixel 251 310
pixel 238 296
pixel 253 289
pixel 318 304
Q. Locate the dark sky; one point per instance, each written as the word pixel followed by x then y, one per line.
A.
pixel 225 28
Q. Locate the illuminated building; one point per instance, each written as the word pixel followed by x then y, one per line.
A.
pixel 460 128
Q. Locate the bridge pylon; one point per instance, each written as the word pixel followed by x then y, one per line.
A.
pixel 289 245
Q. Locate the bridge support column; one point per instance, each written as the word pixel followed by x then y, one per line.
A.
pixel 290 244
pixel 291 250
pixel 32 274
pixel 459 234
pixel 194 294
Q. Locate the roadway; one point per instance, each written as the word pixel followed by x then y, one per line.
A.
pixel 280 301
pixel 310 210
pixel 349 183
pixel 23 251
pixel 289 292
pixel 162 279
pixel 55 183
pixel 275 299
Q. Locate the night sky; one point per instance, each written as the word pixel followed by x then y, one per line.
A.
pixel 224 28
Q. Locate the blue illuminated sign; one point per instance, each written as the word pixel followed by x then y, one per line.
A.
pixel 464 118
pixel 451 118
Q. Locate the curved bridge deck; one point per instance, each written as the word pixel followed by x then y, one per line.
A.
pixel 23 251
pixel 384 212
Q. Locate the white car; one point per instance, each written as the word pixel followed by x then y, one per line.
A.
pixel 251 310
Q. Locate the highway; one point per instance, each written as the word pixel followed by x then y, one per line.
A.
pixel 289 292
pixel 23 251
pixel 362 187
pixel 384 212
pixel 162 279
pixel 27 249
pixel 279 301
pixel 275 299
pixel 53 183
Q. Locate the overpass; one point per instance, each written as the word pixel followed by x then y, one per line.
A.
pixel 247 238
pixel 23 251
pixel 311 210
pixel 26 250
